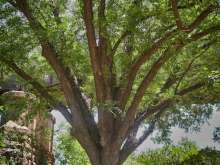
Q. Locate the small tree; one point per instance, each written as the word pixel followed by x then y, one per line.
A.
pixel 128 62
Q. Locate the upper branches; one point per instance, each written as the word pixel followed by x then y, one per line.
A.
pixel 150 76
pixel 158 64
pixel 203 15
pixel 90 31
pixel 139 62
pixel 93 48
pixel 157 45
pixel 132 110
pixel 128 32
pixel 117 43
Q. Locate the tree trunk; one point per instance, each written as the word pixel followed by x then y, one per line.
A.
pixel 107 157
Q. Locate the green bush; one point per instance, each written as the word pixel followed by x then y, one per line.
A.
pixel 186 153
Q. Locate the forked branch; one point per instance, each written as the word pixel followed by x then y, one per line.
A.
pixel 81 116
pixel 156 67
pixel 132 110
pixel 139 62
pixel 159 109
pixel 203 15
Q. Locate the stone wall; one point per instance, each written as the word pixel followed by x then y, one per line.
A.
pixel 18 147
pixel 28 143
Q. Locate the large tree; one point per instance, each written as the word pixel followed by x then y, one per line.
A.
pixel 128 62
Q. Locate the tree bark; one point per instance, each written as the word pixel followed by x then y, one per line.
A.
pixel 108 156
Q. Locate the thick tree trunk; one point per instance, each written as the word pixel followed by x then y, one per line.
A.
pixel 110 158
pixel 107 157
pixel 108 161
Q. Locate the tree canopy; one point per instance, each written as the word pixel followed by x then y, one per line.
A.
pixel 153 62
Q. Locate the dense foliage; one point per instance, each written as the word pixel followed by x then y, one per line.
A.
pixel 169 154
pixel 131 63
pixel 69 151
pixel 186 153
pixel 204 157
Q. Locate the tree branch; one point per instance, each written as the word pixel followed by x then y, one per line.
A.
pixel 95 59
pixel 139 62
pixel 130 115
pixel 204 33
pixel 163 104
pixel 81 116
pixel 191 88
pixel 41 90
pixel 48 50
pixel 171 80
pixel 181 26
pixel 127 32
pixel 156 67
pixel 187 70
pixel 169 101
pixel 149 78
pixel 118 42
pixel 135 67
pixel 133 143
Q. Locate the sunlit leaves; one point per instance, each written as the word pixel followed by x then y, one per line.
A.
pixel 169 154
pixel 185 153
pixel 69 151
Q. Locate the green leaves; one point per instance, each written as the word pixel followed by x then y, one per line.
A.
pixel 59 24
pixel 205 156
pixel 146 22
pixel 69 151
pixel 169 154
pixel 185 153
